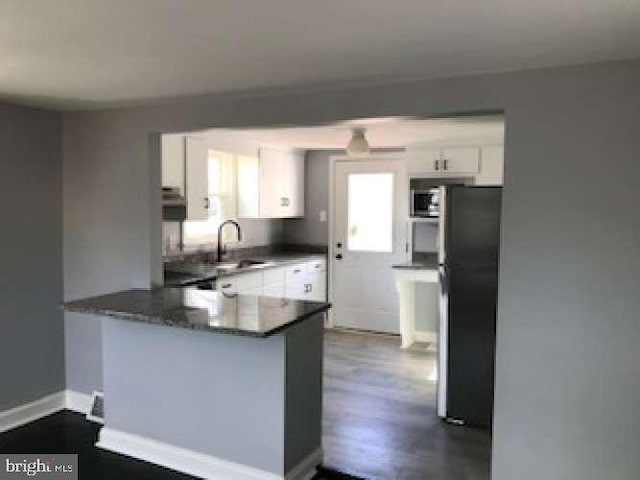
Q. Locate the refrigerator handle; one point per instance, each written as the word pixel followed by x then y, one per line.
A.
pixel 443 287
pixel 443 339
pixel 442 224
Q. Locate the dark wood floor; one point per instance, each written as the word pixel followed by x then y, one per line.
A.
pixel 67 432
pixel 379 423
pixel 380 417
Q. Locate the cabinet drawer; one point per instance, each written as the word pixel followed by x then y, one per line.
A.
pixel 227 285
pixel 318 265
pixel 251 291
pixel 294 273
pixel 248 281
pixel 274 276
pixel 239 283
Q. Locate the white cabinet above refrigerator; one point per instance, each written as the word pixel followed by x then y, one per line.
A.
pixel 482 162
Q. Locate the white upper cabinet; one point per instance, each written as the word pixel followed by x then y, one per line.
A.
pixel 422 161
pixel 443 161
pixel 197 187
pixel 173 161
pixel 270 181
pixel 292 184
pixel 460 160
pixel 482 162
pixel 491 165
pixel 184 166
pixel 271 185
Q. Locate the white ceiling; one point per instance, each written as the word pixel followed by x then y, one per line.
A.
pixel 380 133
pixel 87 53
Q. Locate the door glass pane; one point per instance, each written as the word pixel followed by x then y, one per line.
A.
pixel 370 212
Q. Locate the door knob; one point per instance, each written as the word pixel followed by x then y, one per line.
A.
pixel 339 244
pixel 339 256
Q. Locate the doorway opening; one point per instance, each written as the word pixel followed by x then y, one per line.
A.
pixel 413 250
pixel 375 225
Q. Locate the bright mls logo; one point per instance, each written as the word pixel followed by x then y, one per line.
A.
pixel 51 467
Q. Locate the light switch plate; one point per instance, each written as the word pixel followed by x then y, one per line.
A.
pixel 323 215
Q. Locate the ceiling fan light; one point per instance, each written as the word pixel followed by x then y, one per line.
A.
pixel 358 145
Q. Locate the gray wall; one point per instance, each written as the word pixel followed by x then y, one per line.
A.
pixel 228 390
pixel 303 413
pixel 310 230
pixel 31 324
pixel 262 396
pixel 567 357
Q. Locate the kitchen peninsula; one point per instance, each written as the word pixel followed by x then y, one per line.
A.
pixel 212 384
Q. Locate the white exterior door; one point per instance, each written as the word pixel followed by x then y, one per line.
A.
pixel 369 205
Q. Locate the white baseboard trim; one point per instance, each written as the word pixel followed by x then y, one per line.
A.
pixel 180 459
pixel 29 412
pixel 77 401
pixel 425 337
pixel 306 469
pixel 166 455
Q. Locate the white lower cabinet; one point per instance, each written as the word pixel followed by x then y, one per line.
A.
pixel 249 283
pixel 275 290
pixel 319 286
pixel 311 286
pixel 300 281
pixel 295 290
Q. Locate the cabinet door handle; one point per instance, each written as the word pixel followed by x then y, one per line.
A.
pixel 297 270
pixel 226 285
pixel 206 203
pixel 446 164
pixel 436 164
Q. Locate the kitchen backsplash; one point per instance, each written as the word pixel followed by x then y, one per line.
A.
pixel 208 255
pixel 255 232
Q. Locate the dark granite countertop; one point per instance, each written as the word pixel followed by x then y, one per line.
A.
pixel 207 271
pixel 195 309
pixel 425 261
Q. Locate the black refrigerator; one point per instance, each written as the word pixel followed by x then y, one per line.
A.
pixel 468 268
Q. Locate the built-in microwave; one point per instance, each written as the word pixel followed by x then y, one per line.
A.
pixel 425 203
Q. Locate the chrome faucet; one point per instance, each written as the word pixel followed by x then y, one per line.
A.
pixel 220 245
